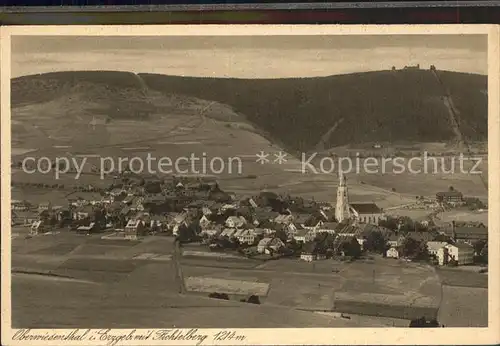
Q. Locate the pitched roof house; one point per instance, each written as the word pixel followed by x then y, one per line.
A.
pixel 434 246
pixel 450 196
pixel 235 221
pixel 37 227
pixel 312 252
pixel 328 227
pixel 469 232
pixel 267 244
pixel 393 252
pixel 304 235
pixel 134 229
pixel 86 229
pixel 246 236
pixel 283 218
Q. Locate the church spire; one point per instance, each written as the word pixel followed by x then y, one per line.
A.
pixel 342 180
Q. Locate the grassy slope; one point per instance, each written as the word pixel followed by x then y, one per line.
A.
pixel 121 91
pixel 385 106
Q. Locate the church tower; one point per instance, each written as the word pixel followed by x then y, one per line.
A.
pixel 342 206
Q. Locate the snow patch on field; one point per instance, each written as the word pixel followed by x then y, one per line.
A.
pixel 210 285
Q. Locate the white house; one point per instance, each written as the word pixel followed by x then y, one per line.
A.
pixel 273 244
pixel 460 252
pixel 134 229
pixel 83 212
pixel 19 205
pixel 205 222
pixel 246 236
pixel 252 203
pixel 86 229
pixel 206 211
pixel 304 235
pixel 36 227
pixel 328 227
pixel 176 220
pixel 300 236
pixel 434 246
pixel 284 219
pixel 137 204
pixel 311 252
pixel 177 226
pixel 307 256
pixel 235 221
pixel 228 206
pixel 361 242
pixel 316 225
pixel 293 227
pixel 262 245
pixel 395 240
pixel 116 192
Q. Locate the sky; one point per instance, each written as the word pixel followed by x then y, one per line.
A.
pixel 247 56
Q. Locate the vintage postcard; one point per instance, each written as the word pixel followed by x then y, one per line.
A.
pixel 234 185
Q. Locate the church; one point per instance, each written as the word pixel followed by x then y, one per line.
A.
pixel 358 212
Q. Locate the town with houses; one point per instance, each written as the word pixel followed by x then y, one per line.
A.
pixel 264 226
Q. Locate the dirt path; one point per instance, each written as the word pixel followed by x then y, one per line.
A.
pixel 454 117
pixel 142 83
pixel 178 269
pixel 324 139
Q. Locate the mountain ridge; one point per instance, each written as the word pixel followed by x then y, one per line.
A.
pixel 378 106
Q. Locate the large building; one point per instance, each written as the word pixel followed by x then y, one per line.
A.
pixel 467 232
pixel 461 253
pixel 359 212
pixel 366 213
pixel 450 197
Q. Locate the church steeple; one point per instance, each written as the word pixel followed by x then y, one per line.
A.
pixel 342 180
pixel 342 205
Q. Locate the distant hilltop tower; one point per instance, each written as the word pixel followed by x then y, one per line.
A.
pixel 342 206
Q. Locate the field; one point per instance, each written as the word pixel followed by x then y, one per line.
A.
pixel 463 215
pixel 211 285
pixel 464 307
pixel 98 306
pixel 461 278
pixel 59 281
pixel 188 253
pixel 317 287
pixel 144 276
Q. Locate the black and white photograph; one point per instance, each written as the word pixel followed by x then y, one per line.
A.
pixel 247 181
